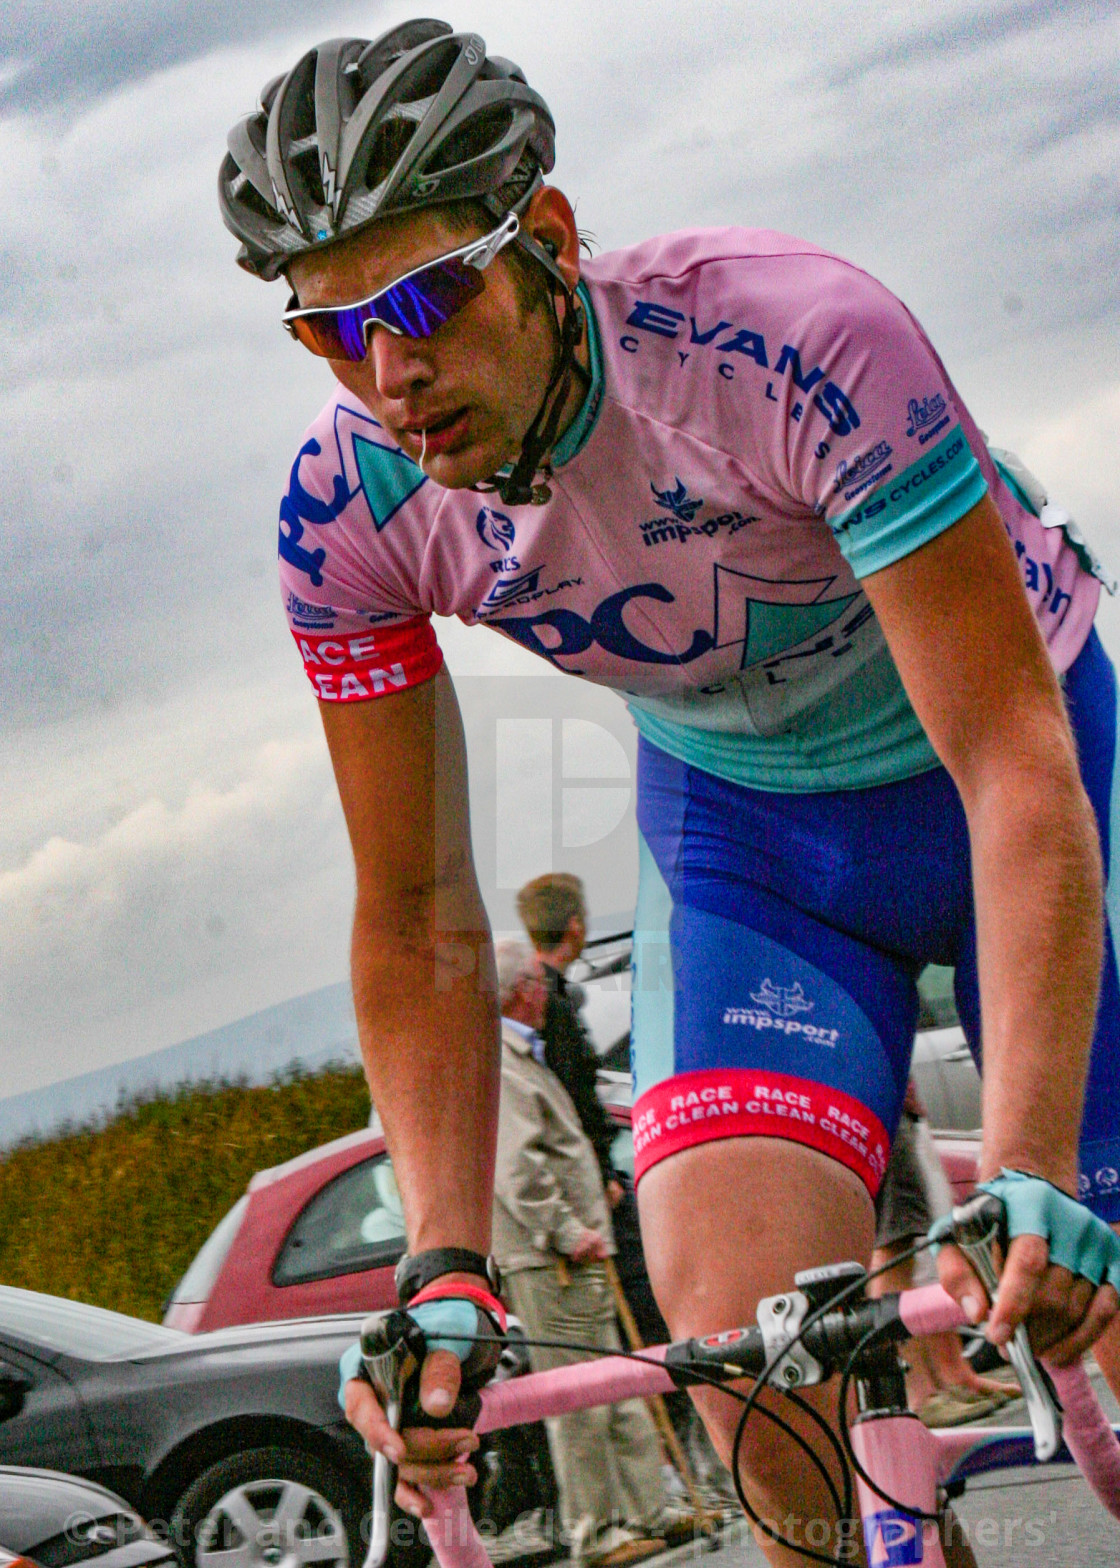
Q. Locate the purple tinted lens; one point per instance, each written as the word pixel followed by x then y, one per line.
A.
pixel 418 305
pixel 414 307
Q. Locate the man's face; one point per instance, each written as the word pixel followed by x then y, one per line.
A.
pixel 462 399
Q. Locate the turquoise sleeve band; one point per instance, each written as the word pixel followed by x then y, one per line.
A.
pixel 912 507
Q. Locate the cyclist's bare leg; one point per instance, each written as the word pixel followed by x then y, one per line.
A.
pixel 724 1224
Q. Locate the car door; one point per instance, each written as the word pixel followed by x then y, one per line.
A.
pixel 43 1422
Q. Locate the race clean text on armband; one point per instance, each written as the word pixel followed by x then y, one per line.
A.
pixel 366 665
pixel 736 1102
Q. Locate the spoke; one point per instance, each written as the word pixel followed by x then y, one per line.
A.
pixel 321 1548
pixel 291 1512
pixel 237 1507
pixel 236 1557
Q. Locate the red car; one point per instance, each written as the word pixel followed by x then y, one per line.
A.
pixel 317 1235
pixel 323 1234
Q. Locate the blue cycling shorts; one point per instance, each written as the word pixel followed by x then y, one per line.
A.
pixel 778 939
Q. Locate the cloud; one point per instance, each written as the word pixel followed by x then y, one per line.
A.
pixel 60 54
pixel 171 898
pixel 967 32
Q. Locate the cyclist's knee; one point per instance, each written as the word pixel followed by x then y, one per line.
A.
pixel 727 1222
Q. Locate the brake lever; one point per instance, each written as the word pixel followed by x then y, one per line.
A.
pixel 393 1347
pixel 977 1226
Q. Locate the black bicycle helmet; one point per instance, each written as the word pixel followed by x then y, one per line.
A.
pixel 357 130
pixel 310 165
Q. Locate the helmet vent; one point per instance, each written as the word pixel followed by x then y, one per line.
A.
pixel 428 74
pixel 482 131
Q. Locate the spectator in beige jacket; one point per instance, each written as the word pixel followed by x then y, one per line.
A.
pixel 552 1231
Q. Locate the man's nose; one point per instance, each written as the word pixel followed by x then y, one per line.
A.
pixel 399 364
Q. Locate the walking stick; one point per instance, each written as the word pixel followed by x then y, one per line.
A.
pixel 670 1441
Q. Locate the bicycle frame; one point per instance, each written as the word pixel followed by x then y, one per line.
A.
pixel 907 1460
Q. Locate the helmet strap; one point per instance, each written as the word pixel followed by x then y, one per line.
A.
pixel 517 488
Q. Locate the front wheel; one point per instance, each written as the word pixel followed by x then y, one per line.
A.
pixel 269 1508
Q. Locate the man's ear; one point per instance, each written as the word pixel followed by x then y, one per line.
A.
pixel 550 221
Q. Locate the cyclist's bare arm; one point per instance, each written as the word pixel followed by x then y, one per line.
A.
pixel 424 991
pixel 976 670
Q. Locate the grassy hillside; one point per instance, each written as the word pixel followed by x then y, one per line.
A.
pixel 113 1214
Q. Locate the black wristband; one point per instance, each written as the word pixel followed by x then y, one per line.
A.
pixel 413 1273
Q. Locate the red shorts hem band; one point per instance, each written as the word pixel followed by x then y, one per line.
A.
pixel 735 1102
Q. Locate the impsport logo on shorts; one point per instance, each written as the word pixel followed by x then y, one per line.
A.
pixel 776 1007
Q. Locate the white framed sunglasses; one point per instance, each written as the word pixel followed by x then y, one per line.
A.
pixel 414 306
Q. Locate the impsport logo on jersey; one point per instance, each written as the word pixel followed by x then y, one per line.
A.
pixel 678 501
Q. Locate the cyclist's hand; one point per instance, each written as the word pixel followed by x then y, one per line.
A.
pixel 588 1245
pixel 425 1456
pixel 451 1372
pixel 1061 1275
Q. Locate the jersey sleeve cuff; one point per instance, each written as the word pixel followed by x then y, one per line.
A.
pixel 912 508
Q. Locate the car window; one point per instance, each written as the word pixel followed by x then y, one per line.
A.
pixel 197 1283
pixel 937 1007
pixel 73 1328
pixel 622 1152
pixel 353 1223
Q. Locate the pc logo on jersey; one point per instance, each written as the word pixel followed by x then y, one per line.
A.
pixel 782 1001
pixel 495 530
pixel 894 1540
pixel 678 501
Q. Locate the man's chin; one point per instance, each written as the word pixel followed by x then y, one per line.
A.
pixel 461 470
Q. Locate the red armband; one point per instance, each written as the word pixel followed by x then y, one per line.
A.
pixel 364 665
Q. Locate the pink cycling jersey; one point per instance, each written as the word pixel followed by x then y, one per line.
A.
pixel 767 425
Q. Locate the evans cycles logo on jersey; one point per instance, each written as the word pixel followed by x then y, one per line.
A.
pixel 662 321
pixel 894 1540
pixel 684 509
pixel 928 418
pixel 777 1008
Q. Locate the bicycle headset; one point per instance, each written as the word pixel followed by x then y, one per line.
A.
pixel 357 130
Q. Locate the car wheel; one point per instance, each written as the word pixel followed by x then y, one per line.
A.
pixel 266 1507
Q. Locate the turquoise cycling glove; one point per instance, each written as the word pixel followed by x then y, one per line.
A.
pixel 449 1323
pixel 1079 1241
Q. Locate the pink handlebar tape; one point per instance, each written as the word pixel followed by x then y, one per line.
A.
pixel 578 1387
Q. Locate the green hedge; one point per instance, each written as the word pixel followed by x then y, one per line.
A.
pixel 113 1214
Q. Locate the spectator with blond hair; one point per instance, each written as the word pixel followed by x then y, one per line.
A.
pixel 554 913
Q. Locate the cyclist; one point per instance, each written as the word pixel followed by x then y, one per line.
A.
pixel 725 473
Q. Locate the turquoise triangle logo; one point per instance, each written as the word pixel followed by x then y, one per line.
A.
pixel 388 478
pixel 772 628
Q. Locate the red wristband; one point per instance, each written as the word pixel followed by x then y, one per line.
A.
pixel 449 1291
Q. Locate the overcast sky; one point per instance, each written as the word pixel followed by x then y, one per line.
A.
pixel 171 852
